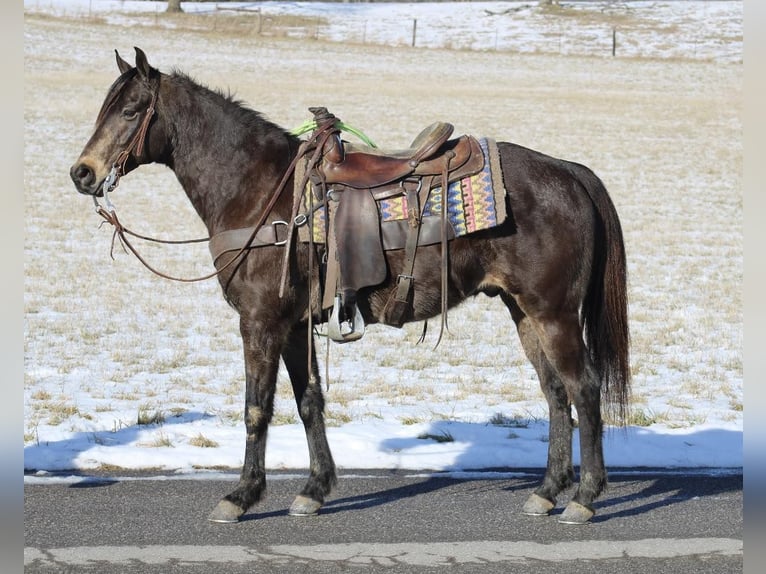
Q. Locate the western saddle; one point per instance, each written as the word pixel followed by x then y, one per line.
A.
pixel 348 180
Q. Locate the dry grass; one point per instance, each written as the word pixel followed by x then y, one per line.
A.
pixel 161 440
pixel 442 436
pixel 665 136
pixel 202 441
pixel 149 415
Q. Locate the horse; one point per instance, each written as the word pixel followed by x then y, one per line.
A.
pixel 557 262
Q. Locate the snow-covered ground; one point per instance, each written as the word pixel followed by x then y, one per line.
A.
pixel 698 29
pixel 83 397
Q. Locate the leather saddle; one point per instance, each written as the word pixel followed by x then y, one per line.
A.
pixel 365 167
pixel 350 179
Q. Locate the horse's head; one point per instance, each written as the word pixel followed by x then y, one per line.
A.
pixel 125 128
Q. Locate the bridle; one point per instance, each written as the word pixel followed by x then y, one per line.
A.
pixel 136 144
pixel 112 180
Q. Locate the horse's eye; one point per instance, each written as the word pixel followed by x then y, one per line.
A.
pixel 129 114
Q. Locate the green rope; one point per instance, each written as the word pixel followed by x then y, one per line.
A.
pixel 309 125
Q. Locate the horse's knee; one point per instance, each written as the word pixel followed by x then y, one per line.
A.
pixel 256 419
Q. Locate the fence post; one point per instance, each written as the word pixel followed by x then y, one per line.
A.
pixel 614 41
pixel 414 30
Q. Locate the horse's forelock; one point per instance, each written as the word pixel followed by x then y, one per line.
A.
pixel 114 92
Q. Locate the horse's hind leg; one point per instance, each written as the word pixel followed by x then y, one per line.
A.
pixel 570 378
pixel 559 473
pixel 310 400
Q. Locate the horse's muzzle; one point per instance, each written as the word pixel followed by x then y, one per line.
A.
pixel 84 179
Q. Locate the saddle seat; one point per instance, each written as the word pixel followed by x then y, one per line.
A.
pixel 364 167
pixel 422 147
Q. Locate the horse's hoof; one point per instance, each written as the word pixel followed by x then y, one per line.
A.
pixel 225 513
pixel 576 513
pixel 304 506
pixel 536 505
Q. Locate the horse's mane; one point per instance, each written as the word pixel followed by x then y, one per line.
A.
pixel 237 108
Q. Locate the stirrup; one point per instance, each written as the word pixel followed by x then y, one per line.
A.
pixel 355 326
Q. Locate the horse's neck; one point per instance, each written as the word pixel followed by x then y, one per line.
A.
pixel 227 169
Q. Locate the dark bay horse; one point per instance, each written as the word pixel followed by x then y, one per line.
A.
pixel 557 262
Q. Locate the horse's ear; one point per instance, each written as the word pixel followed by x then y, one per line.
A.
pixel 121 64
pixel 142 64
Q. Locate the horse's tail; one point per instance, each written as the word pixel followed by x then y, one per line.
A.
pixel 605 309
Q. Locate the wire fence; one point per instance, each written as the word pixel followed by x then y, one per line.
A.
pixel 604 40
pixel 683 30
pixel 695 30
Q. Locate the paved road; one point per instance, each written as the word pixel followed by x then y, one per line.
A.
pixel 390 522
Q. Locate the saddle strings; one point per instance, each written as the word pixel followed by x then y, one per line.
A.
pixel 318 138
pixel 444 248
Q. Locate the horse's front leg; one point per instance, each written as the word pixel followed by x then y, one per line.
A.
pixel 307 387
pixel 262 346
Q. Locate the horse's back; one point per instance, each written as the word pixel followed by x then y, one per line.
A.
pixel 553 183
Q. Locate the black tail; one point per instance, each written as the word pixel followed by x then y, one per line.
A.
pixel 605 309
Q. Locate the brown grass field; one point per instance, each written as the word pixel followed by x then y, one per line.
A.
pixel 664 135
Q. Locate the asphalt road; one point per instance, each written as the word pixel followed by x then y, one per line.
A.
pixel 381 521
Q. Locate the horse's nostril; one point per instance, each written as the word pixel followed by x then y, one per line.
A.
pixel 82 175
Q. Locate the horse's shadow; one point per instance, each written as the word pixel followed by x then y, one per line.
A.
pixel 665 487
pixel 663 491
pixel 385 496
pixel 389 495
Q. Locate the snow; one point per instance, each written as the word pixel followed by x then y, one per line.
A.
pixel 703 29
pixel 395 430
